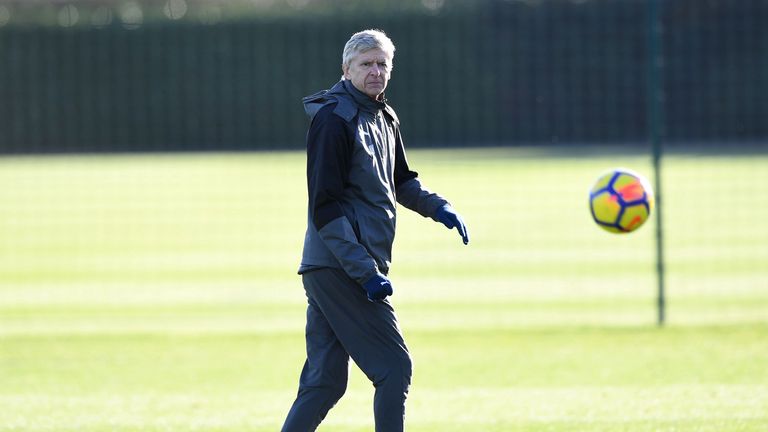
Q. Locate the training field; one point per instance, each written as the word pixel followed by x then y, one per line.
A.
pixel 158 293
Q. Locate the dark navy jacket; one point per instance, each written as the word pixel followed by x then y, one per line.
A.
pixel 357 172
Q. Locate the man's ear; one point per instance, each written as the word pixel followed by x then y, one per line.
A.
pixel 344 70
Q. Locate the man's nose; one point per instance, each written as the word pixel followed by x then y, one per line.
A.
pixel 375 70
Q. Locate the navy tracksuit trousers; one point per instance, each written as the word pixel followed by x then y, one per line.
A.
pixel 342 323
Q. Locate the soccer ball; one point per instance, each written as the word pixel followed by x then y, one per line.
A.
pixel 621 201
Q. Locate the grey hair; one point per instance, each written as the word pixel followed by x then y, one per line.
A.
pixel 366 40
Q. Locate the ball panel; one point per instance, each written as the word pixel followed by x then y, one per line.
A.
pixel 634 216
pixel 605 207
pixel 629 187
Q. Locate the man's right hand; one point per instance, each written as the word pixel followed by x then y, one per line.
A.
pixel 378 287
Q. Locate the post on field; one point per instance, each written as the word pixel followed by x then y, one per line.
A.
pixel 656 132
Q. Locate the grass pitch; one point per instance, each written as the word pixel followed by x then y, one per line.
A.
pixel 158 293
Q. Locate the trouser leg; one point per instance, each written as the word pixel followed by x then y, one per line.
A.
pixel 369 332
pixel 324 376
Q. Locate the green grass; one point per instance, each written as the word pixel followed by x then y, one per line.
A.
pixel 158 293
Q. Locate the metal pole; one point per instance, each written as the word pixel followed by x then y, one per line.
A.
pixel 656 128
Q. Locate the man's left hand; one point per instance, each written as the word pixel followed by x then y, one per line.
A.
pixel 448 216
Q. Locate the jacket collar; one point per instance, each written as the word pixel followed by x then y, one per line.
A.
pixel 363 101
pixel 349 99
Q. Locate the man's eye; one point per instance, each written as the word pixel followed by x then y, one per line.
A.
pixel 366 63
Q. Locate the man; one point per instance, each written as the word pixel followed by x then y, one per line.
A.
pixel 357 172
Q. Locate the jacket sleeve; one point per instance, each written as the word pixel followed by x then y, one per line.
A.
pixel 329 148
pixel 410 192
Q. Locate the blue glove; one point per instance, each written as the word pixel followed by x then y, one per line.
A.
pixel 451 219
pixel 378 287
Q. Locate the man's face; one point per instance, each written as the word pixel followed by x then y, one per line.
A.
pixel 369 72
